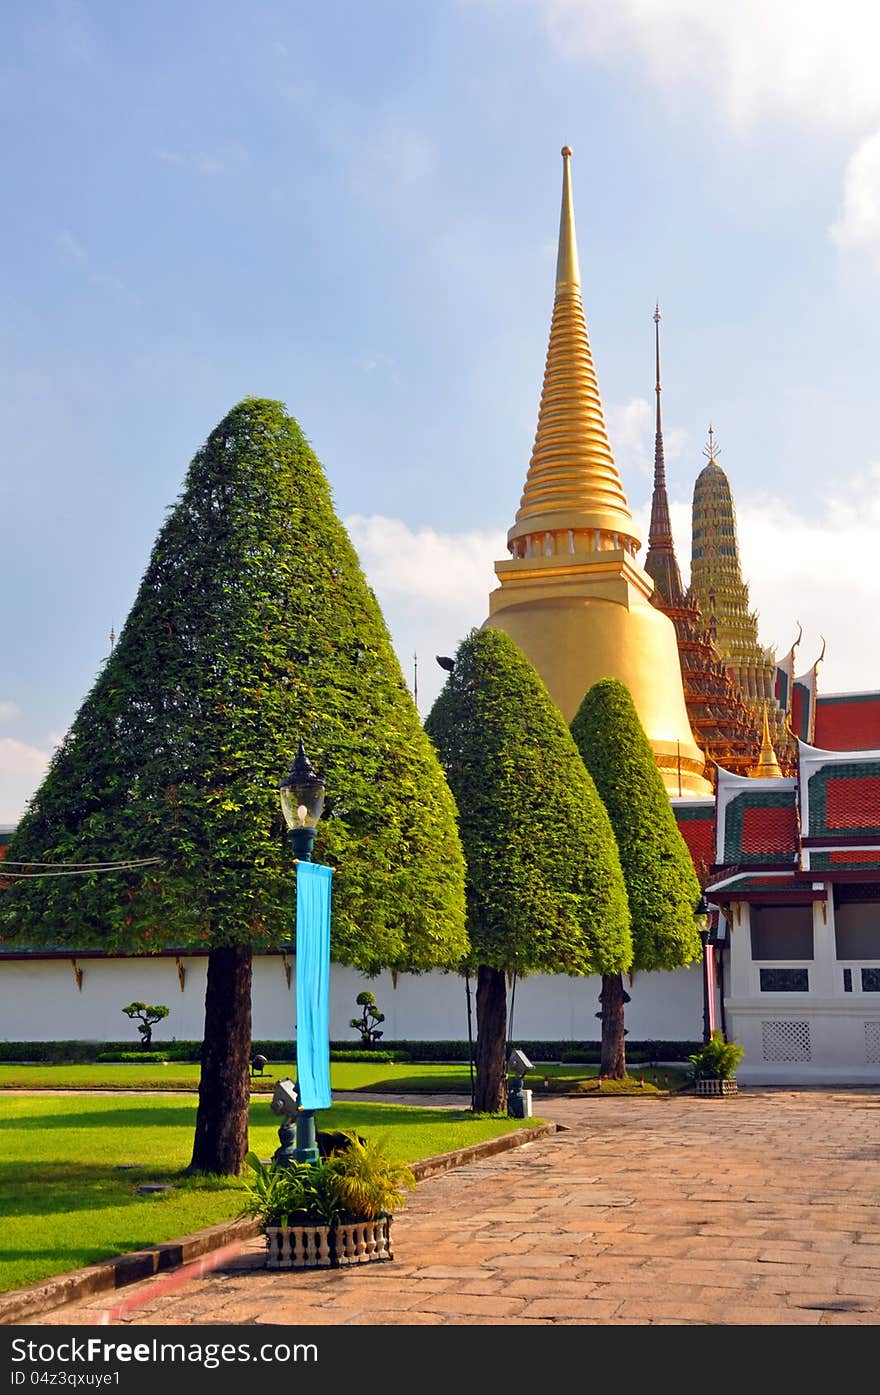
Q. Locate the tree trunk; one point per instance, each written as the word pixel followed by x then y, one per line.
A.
pixel 613 1043
pixel 490 1093
pixel 221 1140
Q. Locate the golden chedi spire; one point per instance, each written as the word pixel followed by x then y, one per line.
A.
pixel 572 594
pixel 572 481
pixel 767 767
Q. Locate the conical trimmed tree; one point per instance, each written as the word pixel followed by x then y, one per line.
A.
pixel 253 626
pixel 661 883
pixel 545 890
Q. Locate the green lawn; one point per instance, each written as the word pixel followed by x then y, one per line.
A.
pixel 70 1168
pixel 398 1077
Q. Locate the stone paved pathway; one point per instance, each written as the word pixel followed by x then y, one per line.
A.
pixel 761 1209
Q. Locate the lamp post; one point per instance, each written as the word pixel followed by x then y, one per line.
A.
pixel 302 802
pixel 703 910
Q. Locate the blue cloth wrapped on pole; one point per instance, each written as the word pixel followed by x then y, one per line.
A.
pixel 313 985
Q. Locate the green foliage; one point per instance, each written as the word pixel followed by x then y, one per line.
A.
pixel 661 883
pixel 368 1022
pixel 253 626
pixel 380 1057
pixel 71 1052
pixel 149 1016
pixel 359 1183
pixel 717 1059
pixel 145 1057
pixel 295 1195
pixel 545 890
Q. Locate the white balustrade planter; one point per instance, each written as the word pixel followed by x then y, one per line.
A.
pixel 328 1246
pixel 715 1087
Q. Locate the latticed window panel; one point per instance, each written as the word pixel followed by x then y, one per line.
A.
pixel 872 1043
pixel 786 1041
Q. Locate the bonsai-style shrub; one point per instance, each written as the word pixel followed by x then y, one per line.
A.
pixel 367 1180
pixel 717 1059
pixel 149 1016
pixel 368 1022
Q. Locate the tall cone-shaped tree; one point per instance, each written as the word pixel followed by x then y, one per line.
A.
pixel 253 626
pixel 662 886
pixel 545 890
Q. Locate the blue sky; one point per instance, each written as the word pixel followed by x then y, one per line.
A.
pixel 353 208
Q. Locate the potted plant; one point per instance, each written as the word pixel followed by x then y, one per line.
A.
pixel 714 1066
pixel 329 1213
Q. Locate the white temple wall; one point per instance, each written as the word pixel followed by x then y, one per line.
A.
pixel 40 1001
pixel 825 1036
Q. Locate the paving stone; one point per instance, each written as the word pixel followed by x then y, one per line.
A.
pixel 641 1212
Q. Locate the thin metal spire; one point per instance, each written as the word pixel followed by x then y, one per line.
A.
pixel 711 450
pixel 660 561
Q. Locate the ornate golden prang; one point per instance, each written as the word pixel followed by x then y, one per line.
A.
pixel 721 593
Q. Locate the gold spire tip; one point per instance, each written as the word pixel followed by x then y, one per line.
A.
pixel 566 152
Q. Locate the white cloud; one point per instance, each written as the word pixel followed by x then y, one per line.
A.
pixel 804 60
pixel 442 570
pixel 231 158
pixel 631 434
pixel 392 166
pixel 70 246
pixel 73 250
pixel 433 588
pixel 858 226
pixel 372 361
pixel 22 767
pixel 8 711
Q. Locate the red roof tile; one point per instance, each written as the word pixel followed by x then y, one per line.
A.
pixel 698 834
pixel 769 831
pixel 852 802
pixel 850 722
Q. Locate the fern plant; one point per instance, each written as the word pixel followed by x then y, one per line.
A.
pixel 298 1194
pixel 361 1183
pixel 717 1059
pixel 368 1180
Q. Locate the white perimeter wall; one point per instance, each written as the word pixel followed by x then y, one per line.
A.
pixel 39 1001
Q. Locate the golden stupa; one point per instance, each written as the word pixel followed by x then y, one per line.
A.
pixel 767 766
pixel 572 595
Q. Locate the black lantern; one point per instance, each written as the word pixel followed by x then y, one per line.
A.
pixel 302 802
